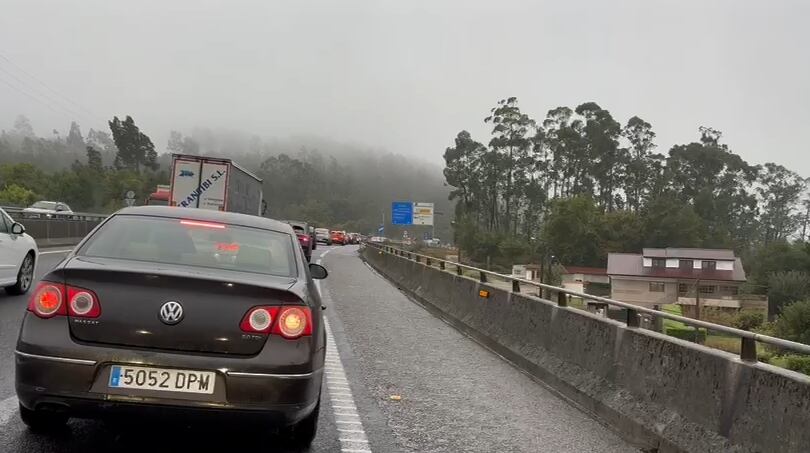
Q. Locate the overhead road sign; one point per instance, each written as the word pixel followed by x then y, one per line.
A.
pixel 423 213
pixel 402 213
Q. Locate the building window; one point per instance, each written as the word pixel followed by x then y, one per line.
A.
pixel 659 262
pixel 708 289
pixel 709 265
pixel 656 287
pixel 683 289
pixel 686 264
pixel 730 290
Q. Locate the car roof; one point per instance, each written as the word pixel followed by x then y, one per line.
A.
pixel 207 215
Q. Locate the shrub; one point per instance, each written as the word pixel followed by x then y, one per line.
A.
pixel 718 316
pixel 686 333
pixel 794 322
pixel 800 363
pixel 748 320
pixel 786 288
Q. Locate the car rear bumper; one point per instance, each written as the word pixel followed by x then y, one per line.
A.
pixel 79 388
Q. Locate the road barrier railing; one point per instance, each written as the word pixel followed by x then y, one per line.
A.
pixel 748 340
pixel 56 228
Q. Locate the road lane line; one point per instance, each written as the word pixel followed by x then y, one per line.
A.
pixel 343 405
pixel 8 407
pixel 338 386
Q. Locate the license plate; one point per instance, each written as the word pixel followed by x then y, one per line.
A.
pixel 167 380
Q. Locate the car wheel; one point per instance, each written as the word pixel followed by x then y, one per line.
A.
pixel 303 433
pixel 42 421
pixel 25 277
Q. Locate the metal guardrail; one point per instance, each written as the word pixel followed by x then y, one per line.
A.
pixel 748 349
pixel 57 228
pixel 18 213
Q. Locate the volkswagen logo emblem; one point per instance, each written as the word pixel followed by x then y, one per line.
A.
pixel 171 312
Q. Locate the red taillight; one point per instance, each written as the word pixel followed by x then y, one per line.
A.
pixel 288 321
pixel 259 319
pixel 294 322
pixel 54 299
pixel 83 303
pixel 48 300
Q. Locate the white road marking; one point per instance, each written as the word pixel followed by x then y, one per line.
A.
pixel 339 392
pixel 8 407
pixel 51 252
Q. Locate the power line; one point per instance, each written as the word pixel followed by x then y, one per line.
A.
pixel 76 104
pixel 33 97
pixel 43 95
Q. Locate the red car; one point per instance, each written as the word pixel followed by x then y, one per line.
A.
pixel 339 237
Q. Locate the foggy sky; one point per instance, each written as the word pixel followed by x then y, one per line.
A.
pixel 407 75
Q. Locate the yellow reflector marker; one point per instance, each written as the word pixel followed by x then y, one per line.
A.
pixel 483 293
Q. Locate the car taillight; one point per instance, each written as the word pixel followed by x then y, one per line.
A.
pixel 294 322
pixel 288 321
pixel 83 303
pixel 259 319
pixel 48 300
pixel 55 299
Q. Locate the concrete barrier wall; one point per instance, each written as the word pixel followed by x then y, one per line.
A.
pixel 56 232
pixel 658 392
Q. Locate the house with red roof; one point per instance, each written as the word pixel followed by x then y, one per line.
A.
pixel 685 276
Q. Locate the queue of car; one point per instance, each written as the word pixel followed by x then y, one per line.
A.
pixel 207 310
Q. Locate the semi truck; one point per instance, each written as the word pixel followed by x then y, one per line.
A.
pixel 214 183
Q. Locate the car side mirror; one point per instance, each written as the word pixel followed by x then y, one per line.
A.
pixel 17 228
pixel 317 271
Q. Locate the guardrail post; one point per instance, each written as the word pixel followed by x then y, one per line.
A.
pixel 459 271
pixel 515 286
pixel 748 349
pixel 417 258
pixel 427 261
pixel 562 299
pixel 632 318
pixel 482 276
pixel 441 265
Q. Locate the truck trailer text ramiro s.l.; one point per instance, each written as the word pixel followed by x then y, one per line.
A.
pixel 216 184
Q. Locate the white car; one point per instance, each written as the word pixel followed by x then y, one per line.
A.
pixel 18 256
pixel 48 208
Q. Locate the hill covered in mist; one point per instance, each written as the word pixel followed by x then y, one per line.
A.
pixel 329 183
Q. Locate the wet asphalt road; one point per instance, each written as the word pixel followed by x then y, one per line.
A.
pixel 455 396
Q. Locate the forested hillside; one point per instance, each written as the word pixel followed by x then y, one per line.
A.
pixel 328 183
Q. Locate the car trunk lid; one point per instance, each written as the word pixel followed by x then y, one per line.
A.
pixel 213 303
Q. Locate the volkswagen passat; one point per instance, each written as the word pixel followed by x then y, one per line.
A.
pixel 178 312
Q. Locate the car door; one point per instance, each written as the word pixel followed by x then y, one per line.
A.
pixel 10 256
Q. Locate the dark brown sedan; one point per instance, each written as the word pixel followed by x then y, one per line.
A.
pixel 178 312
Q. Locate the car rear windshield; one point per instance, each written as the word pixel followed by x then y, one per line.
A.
pixel 193 243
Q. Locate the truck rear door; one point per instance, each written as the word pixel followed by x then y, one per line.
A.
pixel 215 185
pixel 185 181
